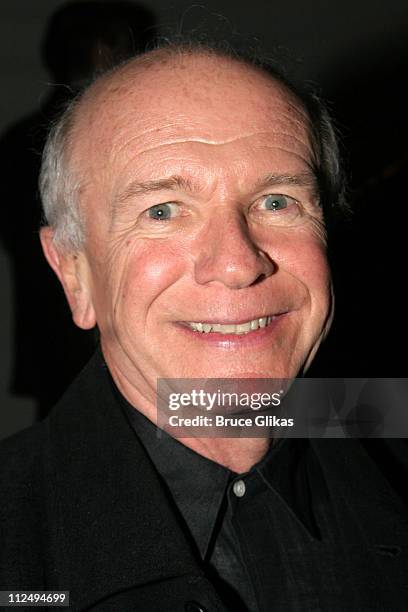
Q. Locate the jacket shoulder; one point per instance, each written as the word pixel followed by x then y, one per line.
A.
pixel 27 489
pixel 19 454
pixel 22 519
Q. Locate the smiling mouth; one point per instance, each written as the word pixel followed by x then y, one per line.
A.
pixel 231 328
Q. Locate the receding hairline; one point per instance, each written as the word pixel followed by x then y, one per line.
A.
pixel 122 80
pixel 111 82
pixel 165 56
pixel 62 158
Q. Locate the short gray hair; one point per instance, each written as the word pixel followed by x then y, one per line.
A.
pixel 59 184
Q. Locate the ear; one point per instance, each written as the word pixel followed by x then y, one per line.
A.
pixel 72 270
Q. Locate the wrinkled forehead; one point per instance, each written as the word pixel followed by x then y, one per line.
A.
pixel 147 104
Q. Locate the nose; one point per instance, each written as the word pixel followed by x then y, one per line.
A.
pixel 229 255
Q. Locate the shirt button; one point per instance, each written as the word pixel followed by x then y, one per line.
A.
pixel 239 488
pixel 194 606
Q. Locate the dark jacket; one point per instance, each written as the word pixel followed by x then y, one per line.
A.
pixel 82 509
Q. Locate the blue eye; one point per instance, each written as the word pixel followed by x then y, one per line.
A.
pixel 162 212
pixel 277 202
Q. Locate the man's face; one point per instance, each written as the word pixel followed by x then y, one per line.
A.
pixel 202 216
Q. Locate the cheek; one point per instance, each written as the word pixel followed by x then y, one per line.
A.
pixel 151 268
pixel 313 269
pixel 303 259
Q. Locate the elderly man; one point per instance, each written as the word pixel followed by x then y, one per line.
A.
pixel 184 193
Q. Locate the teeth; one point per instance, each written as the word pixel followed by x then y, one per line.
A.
pixel 243 328
pixel 231 328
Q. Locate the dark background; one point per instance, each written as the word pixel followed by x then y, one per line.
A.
pixel 356 52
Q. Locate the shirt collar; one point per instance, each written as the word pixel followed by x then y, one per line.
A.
pixel 288 469
pixel 198 485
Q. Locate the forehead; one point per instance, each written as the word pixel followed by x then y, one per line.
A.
pixel 145 108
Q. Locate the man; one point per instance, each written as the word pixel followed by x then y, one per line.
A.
pixel 185 194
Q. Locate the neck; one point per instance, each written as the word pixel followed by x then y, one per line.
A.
pixel 236 454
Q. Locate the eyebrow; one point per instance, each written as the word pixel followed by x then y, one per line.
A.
pixel 304 179
pixel 177 182
pixel 136 188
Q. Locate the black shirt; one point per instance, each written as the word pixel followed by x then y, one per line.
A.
pixel 84 509
pixel 316 525
pixel 259 534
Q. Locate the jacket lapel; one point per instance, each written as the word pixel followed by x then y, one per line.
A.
pixel 111 524
pixel 373 522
